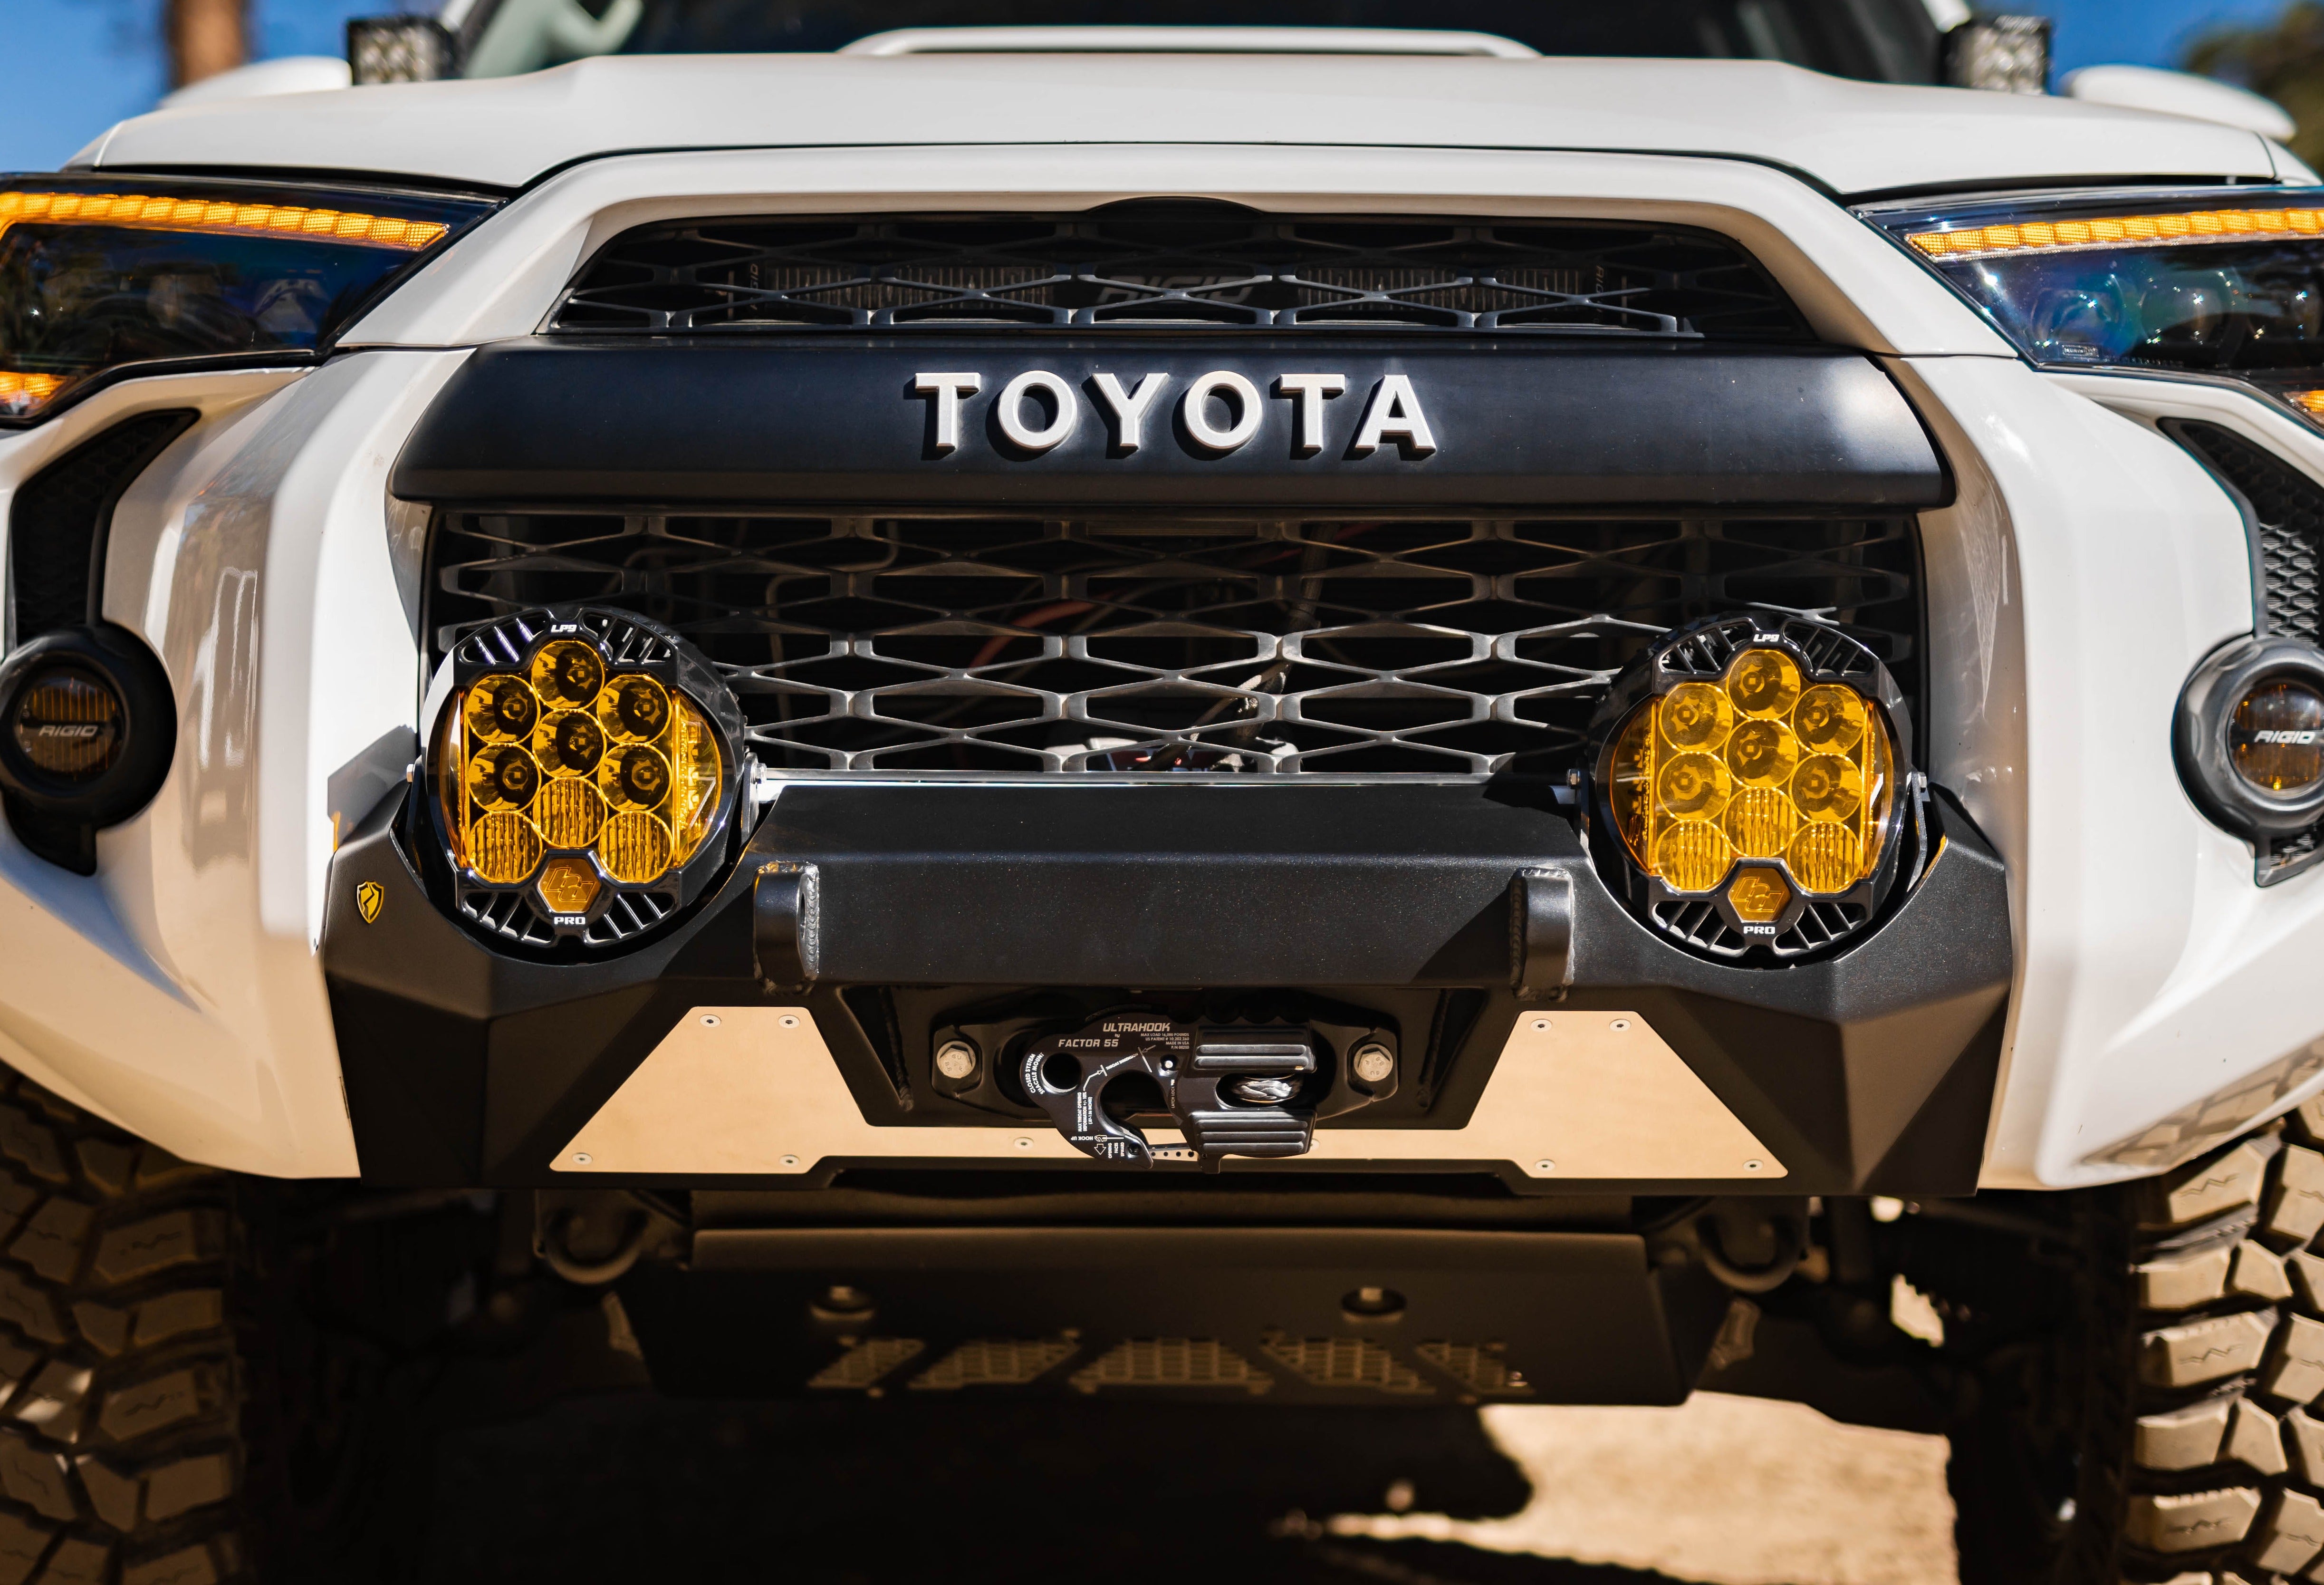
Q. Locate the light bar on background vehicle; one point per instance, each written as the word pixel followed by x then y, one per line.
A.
pixel 96 279
pixel 2222 282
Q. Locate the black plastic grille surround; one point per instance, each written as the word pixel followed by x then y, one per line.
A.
pixel 2288 509
pixel 1175 640
pixel 1205 267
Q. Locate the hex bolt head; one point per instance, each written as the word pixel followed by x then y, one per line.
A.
pixel 957 1060
pixel 1374 1063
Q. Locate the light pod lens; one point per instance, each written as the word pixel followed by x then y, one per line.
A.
pixel 68 725
pixel 1761 765
pixel 571 767
pixel 2275 737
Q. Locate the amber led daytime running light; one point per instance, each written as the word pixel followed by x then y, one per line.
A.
pixel 145 212
pixel 1759 764
pixel 2117 230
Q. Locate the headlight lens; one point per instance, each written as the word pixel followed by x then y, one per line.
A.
pixel 2173 281
pixel 1753 773
pixel 98 274
pixel 581 758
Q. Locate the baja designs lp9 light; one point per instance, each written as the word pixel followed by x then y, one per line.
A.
pixel 1753 773
pixel 2250 746
pixel 586 769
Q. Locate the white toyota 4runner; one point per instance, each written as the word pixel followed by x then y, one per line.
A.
pixel 1354 717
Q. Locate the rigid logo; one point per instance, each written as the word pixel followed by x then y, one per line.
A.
pixel 1039 411
pixel 2286 738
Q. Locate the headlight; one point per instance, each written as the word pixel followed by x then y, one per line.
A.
pixel 99 275
pixel 1753 772
pixel 586 767
pixel 2225 282
pixel 2250 745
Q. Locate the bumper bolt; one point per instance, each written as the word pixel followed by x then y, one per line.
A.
pixel 1373 1064
pixel 955 1059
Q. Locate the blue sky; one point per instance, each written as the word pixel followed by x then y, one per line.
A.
pixel 69 69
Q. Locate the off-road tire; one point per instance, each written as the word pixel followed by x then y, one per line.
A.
pixel 2170 1427
pixel 122 1454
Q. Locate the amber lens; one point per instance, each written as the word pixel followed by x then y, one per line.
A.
pixel 570 744
pixel 504 848
pixel 1753 766
pixel 499 708
pixel 635 708
pixel 634 847
pixel 1696 716
pixel 567 673
pixel 569 814
pixel 1692 855
pixel 565 761
pixel 2276 735
pixel 1764 683
pixel 636 777
pixel 68 725
pixel 504 777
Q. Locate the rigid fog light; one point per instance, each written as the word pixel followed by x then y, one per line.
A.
pixel 2250 746
pixel 1752 772
pixel 88 724
pixel 586 769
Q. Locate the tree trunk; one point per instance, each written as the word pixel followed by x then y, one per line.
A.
pixel 204 38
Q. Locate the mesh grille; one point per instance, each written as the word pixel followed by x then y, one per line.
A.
pixel 61 513
pixel 2289 508
pixel 951 643
pixel 1202 270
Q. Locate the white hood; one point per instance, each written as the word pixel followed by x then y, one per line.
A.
pixel 1850 137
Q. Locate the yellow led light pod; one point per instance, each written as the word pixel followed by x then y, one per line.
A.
pixel 1759 791
pixel 579 755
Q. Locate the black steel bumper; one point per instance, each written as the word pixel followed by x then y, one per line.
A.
pixel 1871 1073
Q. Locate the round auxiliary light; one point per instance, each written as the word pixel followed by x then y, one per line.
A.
pixel 2250 745
pixel 88 724
pixel 1751 771
pixel 586 767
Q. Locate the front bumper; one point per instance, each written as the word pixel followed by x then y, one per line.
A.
pixel 944 907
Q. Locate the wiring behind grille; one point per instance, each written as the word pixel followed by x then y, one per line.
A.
pixel 1160 266
pixel 58 525
pixel 2287 505
pixel 1175 641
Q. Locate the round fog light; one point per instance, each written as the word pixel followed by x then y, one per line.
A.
pixel 2250 746
pixel 88 725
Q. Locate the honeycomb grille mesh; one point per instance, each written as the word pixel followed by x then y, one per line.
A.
pixel 1161 268
pixel 940 643
pixel 2289 508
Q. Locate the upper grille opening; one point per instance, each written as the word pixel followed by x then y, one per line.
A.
pixel 1175 641
pixel 1152 267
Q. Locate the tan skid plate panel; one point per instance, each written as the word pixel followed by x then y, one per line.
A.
pixel 1575 1095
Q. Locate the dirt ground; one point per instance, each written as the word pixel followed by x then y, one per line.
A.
pixel 1775 1494
pixel 1722 1491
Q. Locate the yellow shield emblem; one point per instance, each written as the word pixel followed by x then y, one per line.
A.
pixel 368 897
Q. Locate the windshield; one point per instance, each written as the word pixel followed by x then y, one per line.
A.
pixel 1885 41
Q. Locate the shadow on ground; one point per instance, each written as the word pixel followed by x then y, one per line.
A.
pixel 632 1486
